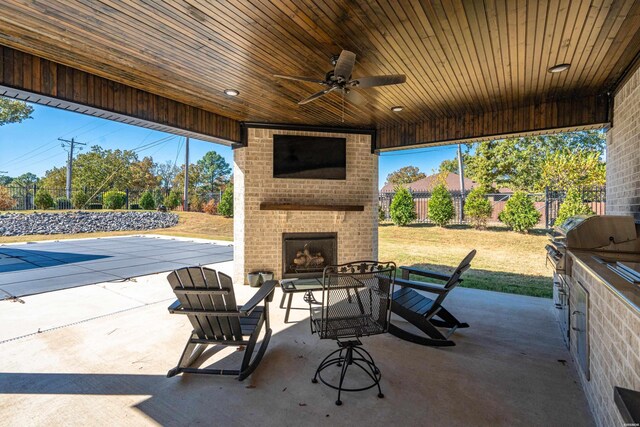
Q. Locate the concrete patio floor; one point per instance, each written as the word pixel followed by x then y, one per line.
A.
pixel 103 352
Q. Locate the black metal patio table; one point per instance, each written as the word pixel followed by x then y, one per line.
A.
pixel 293 286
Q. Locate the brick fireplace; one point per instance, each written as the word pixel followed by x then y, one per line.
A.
pixel 267 210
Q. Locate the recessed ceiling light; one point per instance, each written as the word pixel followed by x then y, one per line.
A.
pixel 559 68
pixel 231 92
pixel 397 108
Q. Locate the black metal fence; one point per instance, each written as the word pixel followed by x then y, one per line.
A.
pixel 594 197
pixel 547 203
pixel 24 197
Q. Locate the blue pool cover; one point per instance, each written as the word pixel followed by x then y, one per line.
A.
pixel 33 268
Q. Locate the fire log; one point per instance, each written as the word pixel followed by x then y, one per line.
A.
pixel 306 259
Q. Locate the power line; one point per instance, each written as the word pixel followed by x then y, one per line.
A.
pixel 161 145
pixel 175 161
pixel 54 141
pixel 428 150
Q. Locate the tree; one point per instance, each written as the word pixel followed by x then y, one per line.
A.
pixel 26 179
pixel 173 199
pixel 440 206
pixel 405 175
pixel 402 209
pixel 6 201
pixel 518 162
pixel 194 178
pixel 142 174
pixel 5 180
pixel 214 170
pixel 477 208
pixel 103 168
pixel 225 207
pixel 166 173
pixel 566 170
pixel 571 206
pixel 12 111
pixel 55 178
pixel 449 166
pixel 519 213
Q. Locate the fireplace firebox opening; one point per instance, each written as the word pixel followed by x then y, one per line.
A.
pixel 305 255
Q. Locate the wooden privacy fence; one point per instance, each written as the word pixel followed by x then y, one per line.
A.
pixel 547 203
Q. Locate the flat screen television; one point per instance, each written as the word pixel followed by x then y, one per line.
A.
pixel 309 157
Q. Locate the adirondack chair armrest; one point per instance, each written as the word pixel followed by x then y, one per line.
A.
pixel 174 307
pixel 424 273
pixel 264 293
pixel 421 286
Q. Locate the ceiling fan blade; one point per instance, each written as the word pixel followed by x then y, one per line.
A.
pixel 316 96
pixel 300 78
pixel 371 81
pixel 344 64
pixel 355 98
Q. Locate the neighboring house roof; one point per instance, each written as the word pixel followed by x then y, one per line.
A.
pixel 426 184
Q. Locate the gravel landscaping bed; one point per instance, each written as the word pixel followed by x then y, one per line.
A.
pixel 83 222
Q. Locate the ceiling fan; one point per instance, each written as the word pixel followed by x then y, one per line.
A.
pixel 340 79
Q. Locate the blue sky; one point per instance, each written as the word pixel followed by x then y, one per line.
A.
pixel 33 146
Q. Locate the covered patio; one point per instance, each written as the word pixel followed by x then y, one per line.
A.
pixel 105 364
pixel 475 70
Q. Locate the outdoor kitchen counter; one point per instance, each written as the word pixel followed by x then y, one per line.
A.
pixel 629 293
pixel 604 332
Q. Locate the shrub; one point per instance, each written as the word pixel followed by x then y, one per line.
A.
pixel 571 206
pixel 402 209
pixel 382 216
pixel 519 213
pixel 158 198
pixel 173 199
pixel 94 206
pixel 114 199
pixel 195 203
pixel 63 203
pixel 478 208
pixel 146 201
pixel 210 207
pixel 440 207
pixel 6 201
pixel 134 206
pixel 43 200
pixel 79 199
pixel 225 207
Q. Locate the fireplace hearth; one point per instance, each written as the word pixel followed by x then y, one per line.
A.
pixel 307 254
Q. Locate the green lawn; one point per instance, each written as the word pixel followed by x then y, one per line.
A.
pixel 506 261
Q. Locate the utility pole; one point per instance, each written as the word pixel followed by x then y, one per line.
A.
pixel 71 144
pixel 185 207
pixel 461 173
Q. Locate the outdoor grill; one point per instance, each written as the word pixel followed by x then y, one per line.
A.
pixel 599 233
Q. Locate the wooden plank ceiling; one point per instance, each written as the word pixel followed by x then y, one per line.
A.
pixel 461 58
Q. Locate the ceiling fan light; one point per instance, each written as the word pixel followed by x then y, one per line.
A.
pixel 231 92
pixel 397 108
pixel 559 68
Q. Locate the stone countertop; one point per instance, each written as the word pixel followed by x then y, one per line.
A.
pixel 626 291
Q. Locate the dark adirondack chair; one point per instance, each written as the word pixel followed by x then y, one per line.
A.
pixel 355 303
pixel 208 300
pixel 425 313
